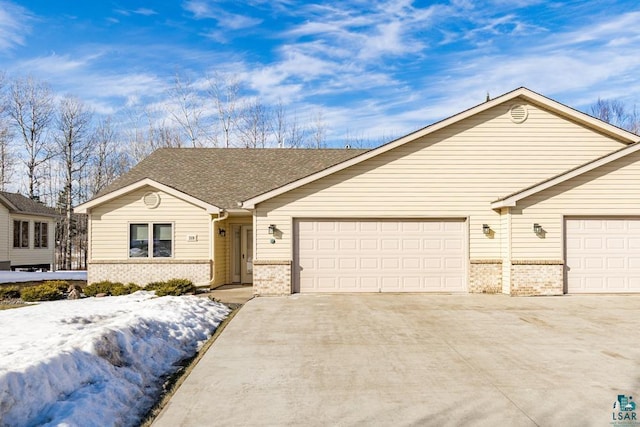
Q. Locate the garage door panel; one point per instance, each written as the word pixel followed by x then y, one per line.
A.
pixel 411 245
pixel 380 255
pixel 634 243
pixel 616 283
pixel 411 263
pixel 347 226
pixel 369 263
pixel 603 255
pixel 368 245
pixel 432 244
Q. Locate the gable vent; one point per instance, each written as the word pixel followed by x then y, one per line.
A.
pixel 518 113
pixel 151 200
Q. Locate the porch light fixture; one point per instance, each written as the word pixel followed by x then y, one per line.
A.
pixel 272 229
pixel 222 232
pixel 537 228
pixel 486 230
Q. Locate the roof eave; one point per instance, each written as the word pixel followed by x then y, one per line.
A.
pixel 578 116
pixel 513 199
pixel 87 206
pixel 8 204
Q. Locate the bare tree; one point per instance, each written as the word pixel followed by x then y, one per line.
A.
pixel 280 124
pixel 187 110
pixel 356 140
pixel 224 90
pixel 107 161
pixel 610 111
pixel 319 131
pixel 31 108
pixel 254 125
pixel 6 136
pixel 617 113
pixel 296 134
pixel 146 133
pixel 6 155
pixel 73 121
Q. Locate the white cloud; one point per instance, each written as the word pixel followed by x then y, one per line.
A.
pixel 145 11
pixel 14 25
pixel 232 21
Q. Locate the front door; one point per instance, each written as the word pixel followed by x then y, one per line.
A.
pixel 246 254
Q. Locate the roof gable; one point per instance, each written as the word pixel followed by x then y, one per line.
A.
pixel 524 93
pixel 512 199
pixel 144 183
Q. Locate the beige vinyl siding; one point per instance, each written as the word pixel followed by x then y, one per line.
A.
pixel 453 173
pixel 6 238
pixel 610 190
pixel 24 256
pixel 110 225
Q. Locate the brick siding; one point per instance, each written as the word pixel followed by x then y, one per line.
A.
pixel 141 273
pixel 485 276
pixel 271 277
pixel 530 278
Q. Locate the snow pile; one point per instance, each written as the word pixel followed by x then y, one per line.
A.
pixel 96 361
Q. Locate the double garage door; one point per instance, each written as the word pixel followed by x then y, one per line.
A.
pixel 380 255
pixel 603 255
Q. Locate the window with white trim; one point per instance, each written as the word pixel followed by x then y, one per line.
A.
pixel 20 234
pixel 151 240
pixel 40 235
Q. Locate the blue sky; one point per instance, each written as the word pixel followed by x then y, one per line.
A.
pixel 374 69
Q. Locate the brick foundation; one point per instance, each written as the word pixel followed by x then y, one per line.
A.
pixel 143 272
pixel 530 278
pixel 485 276
pixel 271 277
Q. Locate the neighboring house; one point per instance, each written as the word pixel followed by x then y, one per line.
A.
pixel 27 233
pixel 520 195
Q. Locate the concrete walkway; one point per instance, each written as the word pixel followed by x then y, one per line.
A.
pixel 416 360
pixel 231 294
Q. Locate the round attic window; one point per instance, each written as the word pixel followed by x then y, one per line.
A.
pixel 518 113
pixel 151 200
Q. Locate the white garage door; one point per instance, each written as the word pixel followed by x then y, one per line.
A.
pixel 380 256
pixel 603 255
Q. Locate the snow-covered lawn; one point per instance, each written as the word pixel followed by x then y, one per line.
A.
pixel 37 276
pixel 96 361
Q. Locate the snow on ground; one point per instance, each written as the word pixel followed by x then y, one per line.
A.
pixel 96 361
pixel 24 276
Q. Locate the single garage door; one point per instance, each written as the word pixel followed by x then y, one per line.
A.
pixel 380 256
pixel 603 255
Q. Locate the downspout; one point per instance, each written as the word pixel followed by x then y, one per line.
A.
pixel 222 215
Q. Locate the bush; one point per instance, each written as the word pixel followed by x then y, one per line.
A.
pixel 110 288
pixel 62 285
pixel 9 292
pixel 173 287
pixel 48 291
pixel 127 289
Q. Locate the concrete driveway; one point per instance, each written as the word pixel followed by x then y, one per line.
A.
pixel 417 360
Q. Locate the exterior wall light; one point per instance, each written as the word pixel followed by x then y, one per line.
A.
pixel 272 229
pixel 222 232
pixel 486 230
pixel 537 228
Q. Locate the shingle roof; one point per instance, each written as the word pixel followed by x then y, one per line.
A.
pixel 26 205
pixel 224 176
